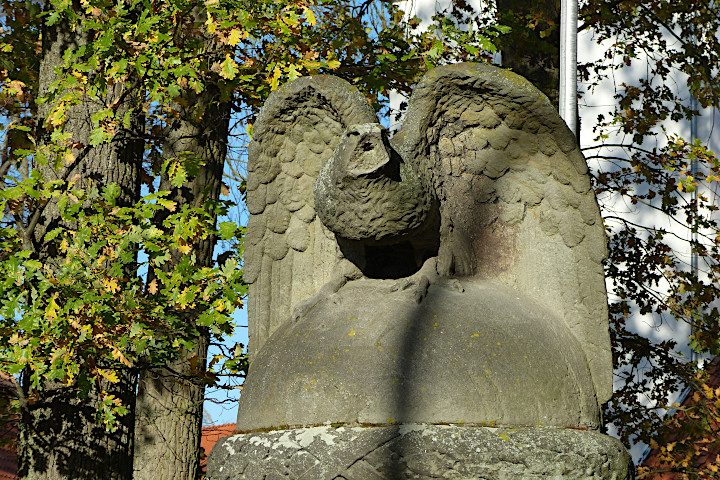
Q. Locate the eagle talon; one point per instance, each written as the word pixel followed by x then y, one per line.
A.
pixel 422 288
pixel 345 271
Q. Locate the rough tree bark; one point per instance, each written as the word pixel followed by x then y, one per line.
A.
pixel 59 435
pixel 170 398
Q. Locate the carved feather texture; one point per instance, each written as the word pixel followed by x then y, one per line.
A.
pixel 516 202
pixel 365 192
pixel 289 254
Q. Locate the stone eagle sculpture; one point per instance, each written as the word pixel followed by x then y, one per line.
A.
pixel 451 273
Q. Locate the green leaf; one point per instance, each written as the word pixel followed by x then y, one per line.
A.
pixel 227 230
pixel 179 177
pixel 111 193
pixel 228 68
pixel 98 136
pixel 436 49
pixel 53 234
pixel 230 269
pixel 471 49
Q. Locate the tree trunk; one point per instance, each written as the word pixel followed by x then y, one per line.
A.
pixel 60 437
pixel 170 399
pixel 169 418
pixel 531 52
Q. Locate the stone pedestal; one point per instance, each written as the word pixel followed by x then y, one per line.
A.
pixel 471 351
pixel 419 452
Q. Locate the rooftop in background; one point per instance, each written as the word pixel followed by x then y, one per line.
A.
pixel 210 436
pixel 8 453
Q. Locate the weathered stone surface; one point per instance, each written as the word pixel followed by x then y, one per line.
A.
pixel 420 452
pixel 450 275
pixel 425 349
pixel 517 142
pixel 365 192
pixel 485 175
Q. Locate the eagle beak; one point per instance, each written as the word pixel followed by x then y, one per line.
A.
pixel 370 153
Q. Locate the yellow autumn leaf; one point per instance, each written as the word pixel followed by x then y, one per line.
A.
pixel 228 68
pixel 309 16
pixel 57 117
pixel 68 158
pixel 14 87
pixel 111 285
pixel 293 72
pixel 236 35
pixel 152 287
pixel 82 78
pixel 210 24
pixel 185 249
pixel 219 306
pixel 275 78
pixel 52 308
pixel 110 375
pixel 118 355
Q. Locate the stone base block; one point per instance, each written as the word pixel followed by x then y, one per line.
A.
pixel 420 451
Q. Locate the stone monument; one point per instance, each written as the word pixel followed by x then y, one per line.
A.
pixel 430 305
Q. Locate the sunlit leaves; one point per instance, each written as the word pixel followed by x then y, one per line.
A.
pixel 650 273
pixel 228 68
pixel 59 318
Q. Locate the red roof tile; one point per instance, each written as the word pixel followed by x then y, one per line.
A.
pixel 8 453
pixel 210 436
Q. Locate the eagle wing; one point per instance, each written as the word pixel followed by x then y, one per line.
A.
pixel 516 202
pixel 289 254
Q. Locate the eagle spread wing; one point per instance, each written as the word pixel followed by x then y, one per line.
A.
pixel 483 173
pixel 516 203
pixel 289 254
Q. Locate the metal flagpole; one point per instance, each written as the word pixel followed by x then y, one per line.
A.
pixel 694 357
pixel 568 63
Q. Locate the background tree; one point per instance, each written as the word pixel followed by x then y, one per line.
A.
pixel 114 147
pixel 643 164
pixel 83 313
pixel 47 419
pixel 532 48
